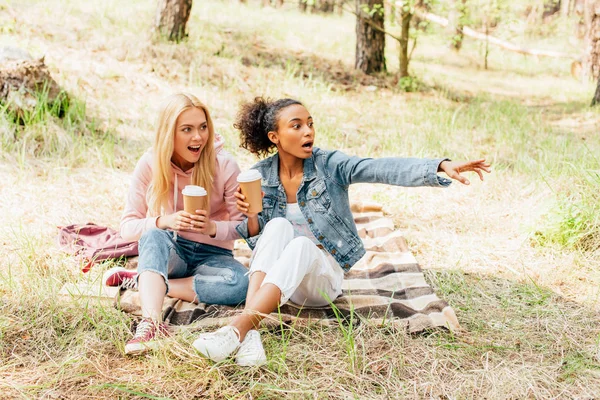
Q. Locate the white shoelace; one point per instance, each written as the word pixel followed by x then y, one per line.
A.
pixel 142 329
pixel 129 283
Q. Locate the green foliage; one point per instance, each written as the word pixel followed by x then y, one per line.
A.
pixel 574 222
pixel 58 128
pixel 409 84
pixel 371 11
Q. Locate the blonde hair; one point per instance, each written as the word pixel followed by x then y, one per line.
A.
pixel 164 144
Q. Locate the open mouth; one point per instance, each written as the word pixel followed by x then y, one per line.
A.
pixel 194 149
pixel 307 145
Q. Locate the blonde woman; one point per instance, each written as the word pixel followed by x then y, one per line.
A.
pixel 182 255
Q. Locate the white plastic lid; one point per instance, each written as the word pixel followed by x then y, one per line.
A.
pixel 192 190
pixel 249 176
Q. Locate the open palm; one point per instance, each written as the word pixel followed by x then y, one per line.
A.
pixel 453 169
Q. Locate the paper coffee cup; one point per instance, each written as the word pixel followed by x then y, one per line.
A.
pixel 249 182
pixel 194 198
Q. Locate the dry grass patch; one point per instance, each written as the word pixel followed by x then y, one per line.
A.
pixel 518 340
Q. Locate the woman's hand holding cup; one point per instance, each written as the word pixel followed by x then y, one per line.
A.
pixel 202 223
pixel 184 221
pixel 242 205
pixel 249 193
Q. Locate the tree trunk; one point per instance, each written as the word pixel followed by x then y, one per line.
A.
pixel 171 19
pixel 327 6
pixel 370 38
pixel 339 5
pixel 404 36
pixel 302 5
pixel 565 8
pixel 551 8
pixel 596 99
pixel 456 23
pixel 591 67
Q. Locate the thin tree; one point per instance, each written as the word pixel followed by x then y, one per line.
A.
pixel 171 19
pixel 456 22
pixel 596 99
pixel 591 66
pixel 370 36
pixel 406 15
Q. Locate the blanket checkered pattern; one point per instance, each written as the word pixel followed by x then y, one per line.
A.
pixel 385 286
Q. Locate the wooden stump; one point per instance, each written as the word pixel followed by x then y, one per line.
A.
pixel 24 82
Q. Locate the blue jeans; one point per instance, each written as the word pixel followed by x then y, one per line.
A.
pixel 218 277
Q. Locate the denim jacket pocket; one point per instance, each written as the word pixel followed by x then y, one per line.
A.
pixel 317 197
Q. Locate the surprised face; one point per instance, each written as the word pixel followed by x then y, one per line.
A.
pixel 191 134
pixel 295 133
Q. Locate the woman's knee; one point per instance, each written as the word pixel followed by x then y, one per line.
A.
pixel 222 271
pixel 227 288
pixel 300 245
pixel 279 226
pixel 155 236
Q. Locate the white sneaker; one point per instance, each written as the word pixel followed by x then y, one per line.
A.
pixel 251 351
pixel 218 345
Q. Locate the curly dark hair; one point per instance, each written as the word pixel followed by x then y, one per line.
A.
pixel 256 119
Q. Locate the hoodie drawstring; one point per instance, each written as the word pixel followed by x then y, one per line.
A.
pixel 175 190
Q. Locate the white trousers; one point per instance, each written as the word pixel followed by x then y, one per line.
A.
pixel 305 274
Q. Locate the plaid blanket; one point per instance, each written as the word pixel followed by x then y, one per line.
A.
pixel 385 286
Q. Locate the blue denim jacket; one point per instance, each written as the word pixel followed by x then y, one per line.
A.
pixel 323 195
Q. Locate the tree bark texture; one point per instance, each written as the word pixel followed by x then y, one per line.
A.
pixel 370 37
pixel 404 36
pixel 596 99
pixel 591 67
pixel 171 19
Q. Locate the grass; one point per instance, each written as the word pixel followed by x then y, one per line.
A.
pixel 517 256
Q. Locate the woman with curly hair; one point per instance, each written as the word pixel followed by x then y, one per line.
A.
pixel 305 237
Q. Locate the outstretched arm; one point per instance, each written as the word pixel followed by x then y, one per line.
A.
pixel 453 169
pixel 409 172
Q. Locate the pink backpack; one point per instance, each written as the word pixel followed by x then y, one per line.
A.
pixel 91 243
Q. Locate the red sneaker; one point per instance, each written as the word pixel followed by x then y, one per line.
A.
pixel 147 336
pixel 119 276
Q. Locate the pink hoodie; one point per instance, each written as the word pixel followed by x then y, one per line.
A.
pixel 135 221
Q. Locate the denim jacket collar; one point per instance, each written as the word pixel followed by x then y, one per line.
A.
pixel 273 176
pixel 310 171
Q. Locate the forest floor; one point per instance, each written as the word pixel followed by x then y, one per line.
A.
pixel 517 256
